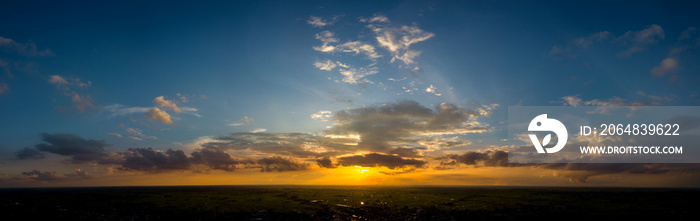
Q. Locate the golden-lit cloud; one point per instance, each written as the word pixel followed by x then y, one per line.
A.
pixel 163 103
pixel 159 115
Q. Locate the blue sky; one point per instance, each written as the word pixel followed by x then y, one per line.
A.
pixel 98 70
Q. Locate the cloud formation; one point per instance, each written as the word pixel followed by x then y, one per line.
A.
pixel 319 21
pixel 640 40
pixel 43 176
pixel 380 160
pixel 158 115
pixel 163 103
pixel 244 121
pixel 29 153
pixel 397 39
pixel 381 128
pixel 281 164
pixel 67 86
pixel 80 150
pixel 147 159
pixel 26 49
pixel 322 115
pixel 667 66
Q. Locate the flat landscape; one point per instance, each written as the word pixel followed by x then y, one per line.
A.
pixel 345 203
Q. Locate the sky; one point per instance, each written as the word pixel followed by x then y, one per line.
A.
pixel 325 92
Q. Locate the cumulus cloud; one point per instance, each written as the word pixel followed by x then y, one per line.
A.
pixel 115 135
pixel 325 162
pixel 80 150
pixel 57 80
pixel 326 38
pixel 380 160
pixel 280 144
pixel 82 173
pixel 29 153
pixel 215 159
pixel 433 90
pixel 281 164
pixel 163 103
pixel 66 87
pixel 403 129
pixel 26 49
pixel 667 66
pixel 322 115
pixel 81 102
pixel 159 115
pixel 380 128
pixel 488 158
pixel 147 159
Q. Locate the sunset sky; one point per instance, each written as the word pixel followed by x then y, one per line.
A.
pixel 317 93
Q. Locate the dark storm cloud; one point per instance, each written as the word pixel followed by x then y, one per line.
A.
pixel 325 162
pixel 29 153
pixel 378 160
pixel 280 164
pixel 215 159
pixel 80 150
pixel 147 159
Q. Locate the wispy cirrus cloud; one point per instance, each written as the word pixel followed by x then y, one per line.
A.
pixel 243 121
pixel 397 39
pixel 26 49
pixel 639 40
pixel 320 22
pixel 154 113
pixel 386 43
pixel 635 41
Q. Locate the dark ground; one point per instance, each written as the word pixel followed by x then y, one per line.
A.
pixel 347 203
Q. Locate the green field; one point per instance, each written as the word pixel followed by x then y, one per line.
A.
pixel 345 203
